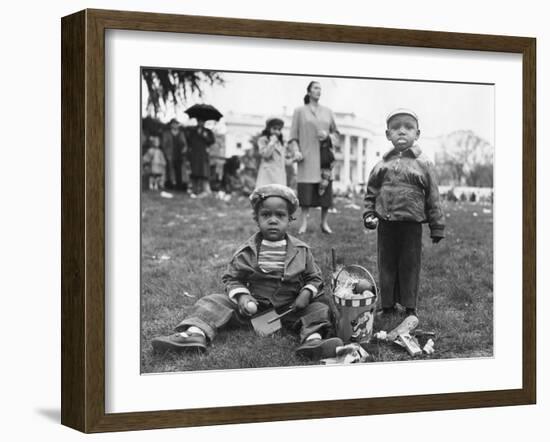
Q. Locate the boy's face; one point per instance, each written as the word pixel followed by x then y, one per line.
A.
pixel 273 218
pixel 402 131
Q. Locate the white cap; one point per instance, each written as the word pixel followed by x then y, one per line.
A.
pixel 401 111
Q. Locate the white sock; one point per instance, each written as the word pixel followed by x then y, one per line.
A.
pixel 192 329
pixel 313 336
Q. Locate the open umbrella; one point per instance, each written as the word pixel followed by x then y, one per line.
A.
pixel 204 112
pixel 152 126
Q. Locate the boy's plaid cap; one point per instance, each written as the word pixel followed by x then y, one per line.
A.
pixel 401 111
pixel 263 192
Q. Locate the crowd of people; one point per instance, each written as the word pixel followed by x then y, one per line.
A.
pixel 179 158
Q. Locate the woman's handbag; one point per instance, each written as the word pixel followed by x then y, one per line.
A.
pixel 327 154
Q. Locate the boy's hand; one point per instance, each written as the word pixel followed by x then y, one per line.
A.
pixel 370 222
pixel 302 300
pixel 243 302
pixel 436 239
pixel 298 157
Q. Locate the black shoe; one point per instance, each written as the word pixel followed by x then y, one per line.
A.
pixel 387 311
pixel 177 342
pixel 316 349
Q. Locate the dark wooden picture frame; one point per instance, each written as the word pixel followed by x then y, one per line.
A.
pixel 83 220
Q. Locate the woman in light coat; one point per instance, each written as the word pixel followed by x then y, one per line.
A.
pixel 311 125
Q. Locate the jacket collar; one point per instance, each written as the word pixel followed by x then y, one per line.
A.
pixel 254 241
pixel 292 244
pixel 412 152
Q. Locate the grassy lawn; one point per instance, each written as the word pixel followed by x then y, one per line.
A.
pixel 186 244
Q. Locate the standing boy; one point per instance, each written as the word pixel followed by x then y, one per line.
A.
pixel 402 193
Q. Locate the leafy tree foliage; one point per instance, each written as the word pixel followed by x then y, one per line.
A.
pixel 175 86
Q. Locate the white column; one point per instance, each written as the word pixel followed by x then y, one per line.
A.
pixel 230 145
pixel 345 170
pixel 366 164
pixel 359 175
pixel 368 157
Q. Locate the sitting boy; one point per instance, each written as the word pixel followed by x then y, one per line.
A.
pixel 271 269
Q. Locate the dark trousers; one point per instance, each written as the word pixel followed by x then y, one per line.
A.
pixel 174 177
pixel 399 256
pixel 199 185
pixel 215 311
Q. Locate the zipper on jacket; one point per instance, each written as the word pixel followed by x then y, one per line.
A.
pixel 399 156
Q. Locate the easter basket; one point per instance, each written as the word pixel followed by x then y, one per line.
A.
pixel 355 295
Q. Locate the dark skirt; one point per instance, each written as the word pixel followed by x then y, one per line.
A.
pixel 308 195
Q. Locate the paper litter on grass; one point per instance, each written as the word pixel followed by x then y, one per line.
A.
pixel 352 206
pixel 429 347
pixel 347 354
pixel 409 343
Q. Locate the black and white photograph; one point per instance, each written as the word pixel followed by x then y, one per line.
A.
pixel 242 221
pixel 293 220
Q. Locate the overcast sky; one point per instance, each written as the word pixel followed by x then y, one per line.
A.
pixel 442 107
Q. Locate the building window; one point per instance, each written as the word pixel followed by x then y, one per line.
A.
pixel 239 145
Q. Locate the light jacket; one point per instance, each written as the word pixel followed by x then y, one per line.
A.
pixel 304 130
pixel 154 157
pixel 243 275
pixel 403 187
pixel 272 165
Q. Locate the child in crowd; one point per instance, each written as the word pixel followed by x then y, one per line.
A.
pixel 154 163
pixel 402 193
pixel 272 150
pixel 270 270
pixel 231 181
pixel 248 171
